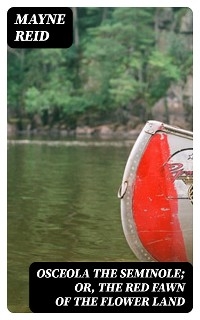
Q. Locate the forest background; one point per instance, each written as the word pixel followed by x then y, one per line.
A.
pixel 126 65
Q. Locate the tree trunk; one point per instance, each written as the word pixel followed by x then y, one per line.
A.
pixel 76 32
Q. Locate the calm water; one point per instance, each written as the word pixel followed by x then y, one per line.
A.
pixel 62 206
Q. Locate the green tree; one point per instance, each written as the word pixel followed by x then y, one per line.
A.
pixel 115 65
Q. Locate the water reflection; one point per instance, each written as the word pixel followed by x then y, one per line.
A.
pixel 62 206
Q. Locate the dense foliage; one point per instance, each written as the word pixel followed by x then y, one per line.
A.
pixel 114 67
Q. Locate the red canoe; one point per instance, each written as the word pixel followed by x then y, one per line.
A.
pixel 157 194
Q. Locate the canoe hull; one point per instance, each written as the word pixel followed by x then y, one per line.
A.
pixel 156 194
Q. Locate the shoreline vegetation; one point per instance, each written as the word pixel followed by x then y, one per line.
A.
pixel 103 132
pixel 110 81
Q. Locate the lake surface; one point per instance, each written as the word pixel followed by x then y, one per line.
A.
pixel 62 206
